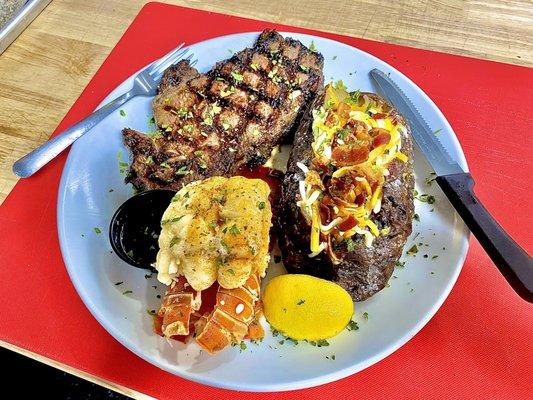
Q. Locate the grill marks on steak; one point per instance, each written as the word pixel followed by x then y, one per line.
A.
pixel 235 114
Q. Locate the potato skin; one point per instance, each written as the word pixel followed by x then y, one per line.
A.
pixel 363 271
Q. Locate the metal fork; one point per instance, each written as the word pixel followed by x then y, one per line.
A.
pixel 145 84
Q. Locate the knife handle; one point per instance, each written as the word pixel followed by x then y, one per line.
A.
pixel 512 261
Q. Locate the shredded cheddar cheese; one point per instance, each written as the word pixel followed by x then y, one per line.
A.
pixel 355 140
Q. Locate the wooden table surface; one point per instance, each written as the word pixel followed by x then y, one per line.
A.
pixel 46 68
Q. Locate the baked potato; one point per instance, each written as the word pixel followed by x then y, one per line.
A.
pixel 346 205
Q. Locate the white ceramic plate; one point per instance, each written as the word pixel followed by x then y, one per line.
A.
pixel 92 188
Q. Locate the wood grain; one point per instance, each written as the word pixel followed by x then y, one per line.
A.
pixel 46 68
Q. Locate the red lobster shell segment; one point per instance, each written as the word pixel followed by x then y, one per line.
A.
pixel 234 317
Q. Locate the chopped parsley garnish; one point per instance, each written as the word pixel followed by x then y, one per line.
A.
pixel 202 164
pixel 123 164
pixel 221 260
pixel 369 106
pixel 342 134
pixel 312 46
pixel 182 171
pixel 261 205
pixel 425 198
pixel 122 113
pixel 231 271
pixel 333 357
pixel 429 180
pixel 365 315
pixel 304 68
pixel 226 93
pixel 151 120
pixel 242 346
pixel 234 230
pixel 238 77
pixel 413 250
pixel 254 66
pixel 151 312
pixel 127 292
pixel 174 240
pixel 400 264
pixel 354 97
pixel 416 217
pixel 212 224
pixel 300 302
pixel 334 58
pixel 350 244
pixel 171 220
pixel 322 343
pixel 437 131
pixel 119 283
pixel 225 245
pixel 340 85
pixel 352 325
pixel 97 230
pixel 435 256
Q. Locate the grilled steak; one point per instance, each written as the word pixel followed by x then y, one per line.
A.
pixel 234 115
pixel 359 268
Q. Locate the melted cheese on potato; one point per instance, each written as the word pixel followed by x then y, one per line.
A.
pixel 216 230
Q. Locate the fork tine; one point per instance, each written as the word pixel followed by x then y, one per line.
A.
pixel 172 61
pixel 157 63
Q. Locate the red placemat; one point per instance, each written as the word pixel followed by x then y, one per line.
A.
pixel 479 345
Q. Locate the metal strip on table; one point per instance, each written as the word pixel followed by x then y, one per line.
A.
pixel 14 27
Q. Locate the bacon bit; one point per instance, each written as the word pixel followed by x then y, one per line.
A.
pixel 327 201
pixel 377 131
pixel 347 224
pixel 331 119
pixel 325 213
pixel 381 139
pixel 379 116
pixel 349 155
pixel 360 199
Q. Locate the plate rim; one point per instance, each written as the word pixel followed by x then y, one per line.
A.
pixel 303 383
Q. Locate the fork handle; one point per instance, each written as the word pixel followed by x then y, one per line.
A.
pixel 513 262
pixel 42 155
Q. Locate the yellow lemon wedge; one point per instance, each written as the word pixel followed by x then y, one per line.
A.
pixel 305 307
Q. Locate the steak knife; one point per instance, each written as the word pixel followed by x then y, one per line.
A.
pixel 512 261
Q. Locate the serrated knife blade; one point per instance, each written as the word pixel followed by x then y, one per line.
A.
pixel 436 154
